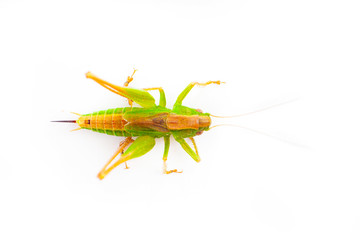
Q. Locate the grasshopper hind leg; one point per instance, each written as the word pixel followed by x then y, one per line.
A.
pixel 120 150
pixel 141 97
pixel 138 147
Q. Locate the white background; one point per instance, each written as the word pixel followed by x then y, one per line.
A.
pixel 299 179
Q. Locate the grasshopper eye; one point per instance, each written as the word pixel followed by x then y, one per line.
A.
pixel 199 110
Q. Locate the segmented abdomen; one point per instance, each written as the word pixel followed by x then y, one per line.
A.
pixel 109 121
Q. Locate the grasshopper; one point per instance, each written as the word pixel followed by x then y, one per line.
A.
pixel 147 122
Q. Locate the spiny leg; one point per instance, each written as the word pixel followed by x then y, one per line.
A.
pixel 166 152
pixel 139 147
pixel 185 92
pixel 121 148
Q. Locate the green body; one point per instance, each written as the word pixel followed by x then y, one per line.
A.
pixel 144 121
pixel 147 122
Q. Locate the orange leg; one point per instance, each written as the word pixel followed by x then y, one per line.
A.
pixel 126 166
pixel 121 148
pixel 139 147
pixel 141 97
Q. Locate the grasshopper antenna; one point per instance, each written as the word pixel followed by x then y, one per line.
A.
pixel 264 134
pixel 256 111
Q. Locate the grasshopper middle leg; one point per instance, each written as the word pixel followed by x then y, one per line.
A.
pixel 166 152
pixel 162 102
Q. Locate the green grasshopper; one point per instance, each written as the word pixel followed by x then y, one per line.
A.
pixel 147 122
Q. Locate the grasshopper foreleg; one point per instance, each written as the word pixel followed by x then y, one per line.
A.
pixel 185 92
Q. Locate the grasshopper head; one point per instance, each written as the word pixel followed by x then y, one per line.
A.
pixel 194 119
pixel 204 121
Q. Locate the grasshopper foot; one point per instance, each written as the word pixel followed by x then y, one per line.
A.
pixel 172 171
pixel 165 171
